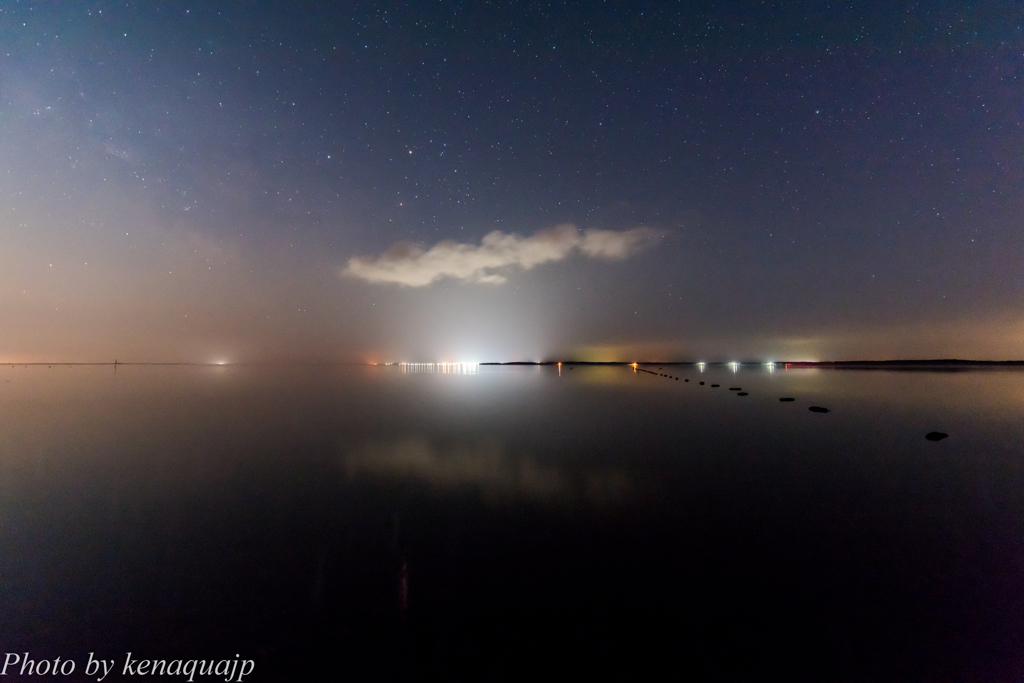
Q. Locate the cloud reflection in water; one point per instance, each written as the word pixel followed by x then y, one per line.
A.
pixel 486 468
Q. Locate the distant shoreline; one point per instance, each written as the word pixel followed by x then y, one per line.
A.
pixel 940 362
pixel 839 364
pixel 111 363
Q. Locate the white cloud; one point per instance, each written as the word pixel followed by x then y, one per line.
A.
pixel 497 255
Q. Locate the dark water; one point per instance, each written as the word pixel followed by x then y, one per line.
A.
pixel 361 523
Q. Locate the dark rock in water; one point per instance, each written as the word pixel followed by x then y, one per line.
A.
pixel 687 380
pixel 935 436
pixel 735 388
pixel 787 400
pixel 818 409
pixel 743 393
pixel 715 385
pixel 676 379
pixel 702 383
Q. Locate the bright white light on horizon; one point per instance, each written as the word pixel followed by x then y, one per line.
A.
pixel 440 368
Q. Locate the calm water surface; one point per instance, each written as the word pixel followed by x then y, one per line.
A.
pixel 373 524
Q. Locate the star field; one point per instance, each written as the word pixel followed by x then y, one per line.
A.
pixel 825 179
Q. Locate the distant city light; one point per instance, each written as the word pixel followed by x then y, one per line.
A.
pixel 440 368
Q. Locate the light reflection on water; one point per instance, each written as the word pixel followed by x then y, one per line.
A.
pixel 161 508
pixel 439 368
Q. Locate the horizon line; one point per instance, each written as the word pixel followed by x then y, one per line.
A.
pixel 906 361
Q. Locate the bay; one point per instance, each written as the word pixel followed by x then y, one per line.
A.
pixel 396 522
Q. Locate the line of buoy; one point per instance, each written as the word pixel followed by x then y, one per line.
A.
pixel 931 436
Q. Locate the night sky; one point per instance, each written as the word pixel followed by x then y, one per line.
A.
pixel 493 181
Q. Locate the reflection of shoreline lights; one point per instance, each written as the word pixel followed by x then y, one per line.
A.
pixel 440 368
pixel 701 365
pixel 735 366
pixel 771 366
